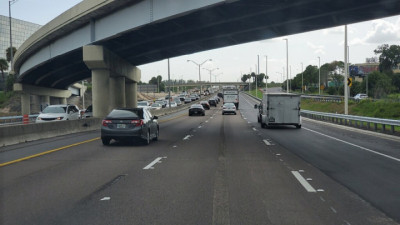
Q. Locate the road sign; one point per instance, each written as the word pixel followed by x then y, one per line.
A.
pixel 349 81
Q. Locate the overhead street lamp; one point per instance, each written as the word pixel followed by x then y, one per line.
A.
pixel 287 65
pixel 10 2
pixel 210 70
pixel 199 65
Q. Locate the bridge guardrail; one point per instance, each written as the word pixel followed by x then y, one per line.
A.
pixel 343 119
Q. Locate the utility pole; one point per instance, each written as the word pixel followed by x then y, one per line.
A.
pixel 266 72
pixel 346 94
pixel 287 65
pixel 302 85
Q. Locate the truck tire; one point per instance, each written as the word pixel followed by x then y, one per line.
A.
pixel 298 126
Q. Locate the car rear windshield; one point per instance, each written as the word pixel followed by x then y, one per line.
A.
pixel 126 113
pixel 50 109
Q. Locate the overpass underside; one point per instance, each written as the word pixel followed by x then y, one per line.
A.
pixel 218 24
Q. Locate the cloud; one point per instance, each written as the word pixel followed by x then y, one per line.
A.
pixel 382 31
pixel 317 49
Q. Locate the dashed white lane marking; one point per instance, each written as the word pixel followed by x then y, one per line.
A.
pixel 174 146
pixel 254 129
pixel 267 142
pixel 199 127
pixel 157 160
pixel 366 149
pixel 320 190
pixel 322 199
pixel 105 199
pixel 206 121
pixel 187 137
pixel 303 182
pixel 333 209
pixel 248 122
pixel 244 118
pixel 347 223
pixel 211 117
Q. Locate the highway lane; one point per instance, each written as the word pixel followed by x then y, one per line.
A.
pixel 204 170
pixel 365 162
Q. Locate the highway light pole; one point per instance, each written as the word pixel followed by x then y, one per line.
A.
pixel 210 70
pixel 10 2
pixel 302 84
pixel 199 65
pixel 319 75
pixel 266 72
pixel 287 65
pixel 346 94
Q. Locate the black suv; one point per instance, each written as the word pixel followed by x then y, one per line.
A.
pixel 212 102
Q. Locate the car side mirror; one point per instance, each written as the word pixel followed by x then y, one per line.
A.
pixel 255 106
pixel 155 117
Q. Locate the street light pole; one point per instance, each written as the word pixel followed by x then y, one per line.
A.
pixel 302 84
pixel 266 72
pixel 199 65
pixel 10 2
pixel 319 75
pixel 287 65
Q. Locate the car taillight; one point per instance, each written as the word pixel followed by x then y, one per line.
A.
pixel 137 123
pixel 106 122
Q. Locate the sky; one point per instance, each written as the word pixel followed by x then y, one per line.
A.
pixel 233 61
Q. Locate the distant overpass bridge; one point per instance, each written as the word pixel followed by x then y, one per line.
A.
pixel 107 40
pixel 208 84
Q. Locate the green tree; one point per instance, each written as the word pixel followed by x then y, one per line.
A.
pixel 380 84
pixel 389 57
pixel 8 53
pixel 10 82
pixel 3 67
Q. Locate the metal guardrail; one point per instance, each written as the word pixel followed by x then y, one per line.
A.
pixel 7 120
pixel 359 121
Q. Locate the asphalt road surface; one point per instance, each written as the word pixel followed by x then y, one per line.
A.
pixel 213 169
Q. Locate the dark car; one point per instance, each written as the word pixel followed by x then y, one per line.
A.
pixel 220 95
pixel 197 109
pixel 212 102
pixel 205 104
pixel 129 124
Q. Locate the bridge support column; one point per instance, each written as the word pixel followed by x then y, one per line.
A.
pixel 25 104
pixel 63 101
pixel 129 93
pixel 117 92
pixel 44 101
pixel 134 95
pixel 100 90
pixel 108 69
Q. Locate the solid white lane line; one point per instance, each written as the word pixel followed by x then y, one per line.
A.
pixel 267 142
pixel 150 166
pixel 365 149
pixel 303 182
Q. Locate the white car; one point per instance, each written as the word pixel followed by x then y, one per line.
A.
pixel 228 108
pixel 156 106
pixel 58 113
pixel 143 104
pixel 360 96
pixel 173 104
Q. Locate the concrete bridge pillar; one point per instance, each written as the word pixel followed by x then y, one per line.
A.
pixel 129 95
pixel 135 95
pixel 111 78
pixel 63 100
pixel 25 103
pixel 117 92
pixel 100 90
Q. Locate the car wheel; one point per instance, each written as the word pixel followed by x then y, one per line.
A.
pixel 235 113
pixel 223 113
pixel 147 141
pixel 157 134
pixel 298 126
pixel 106 141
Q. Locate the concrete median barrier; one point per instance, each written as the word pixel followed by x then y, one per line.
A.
pixel 10 135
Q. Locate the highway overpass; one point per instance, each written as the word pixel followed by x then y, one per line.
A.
pixel 107 40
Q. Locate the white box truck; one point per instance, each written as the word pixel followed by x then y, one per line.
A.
pixel 231 95
pixel 279 109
